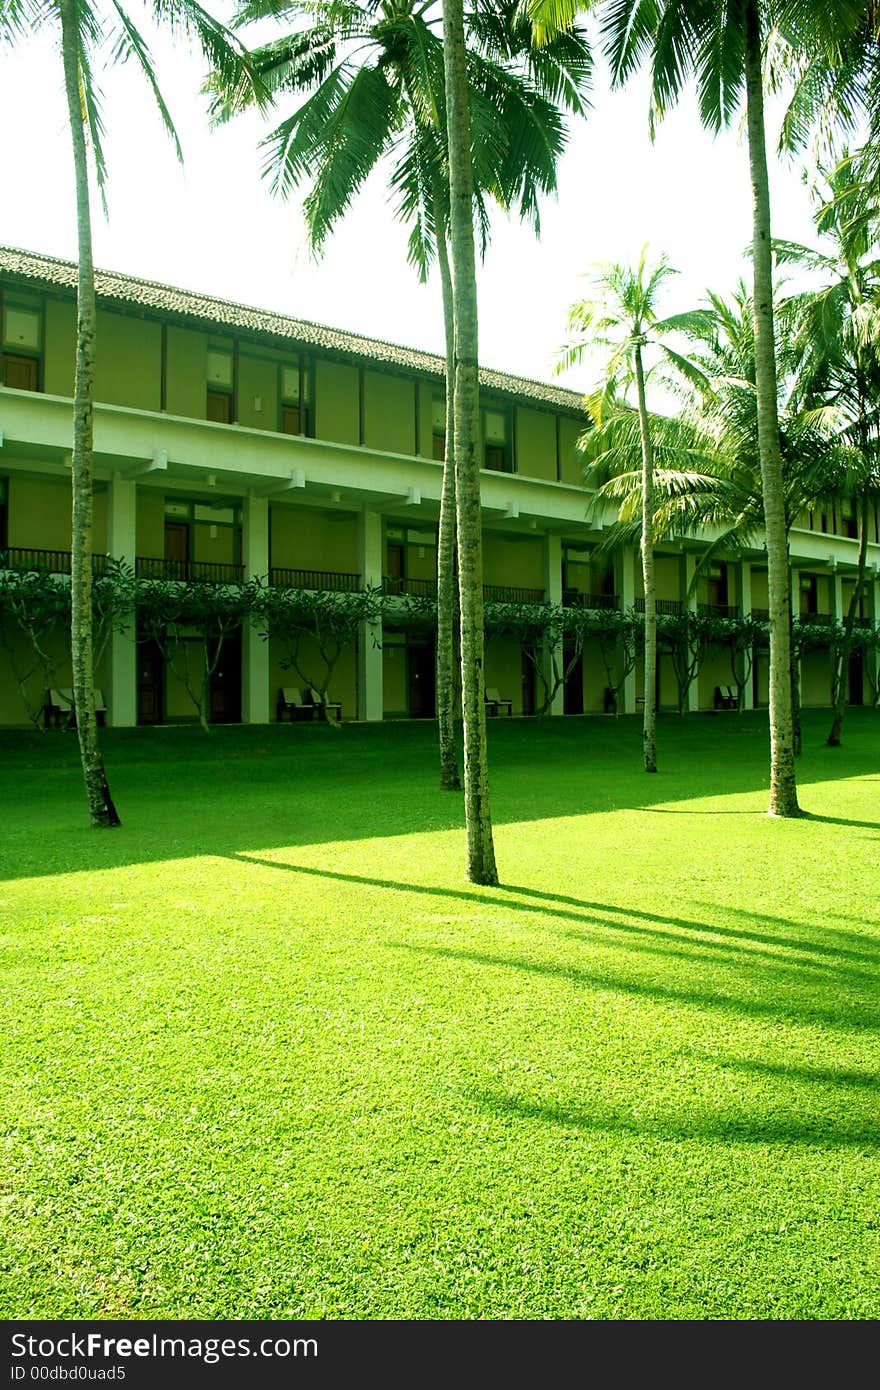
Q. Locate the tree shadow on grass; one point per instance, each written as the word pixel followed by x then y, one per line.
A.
pixel 841 1131
pixel 804 816
pixel 674 945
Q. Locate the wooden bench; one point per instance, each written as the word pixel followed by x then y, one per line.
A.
pixel 61 709
pixel 291 703
pixel 494 701
pixel 726 697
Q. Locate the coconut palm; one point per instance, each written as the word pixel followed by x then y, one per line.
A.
pixel 710 476
pixel 837 332
pixel 622 320
pixel 89 31
pixel 368 80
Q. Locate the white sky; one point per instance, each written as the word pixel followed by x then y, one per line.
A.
pixel 213 226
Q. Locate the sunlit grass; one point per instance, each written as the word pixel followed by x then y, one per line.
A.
pixel 266 1054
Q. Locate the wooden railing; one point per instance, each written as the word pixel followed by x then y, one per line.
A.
pixel 332 580
pixel 394 584
pixel 506 593
pixel 27 560
pixel 671 607
pixel 188 571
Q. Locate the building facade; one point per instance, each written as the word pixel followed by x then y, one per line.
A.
pixel 237 446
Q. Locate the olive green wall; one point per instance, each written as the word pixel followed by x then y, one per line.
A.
pixel 389 413
pixel 59 351
pixel 535 443
pixel 667 577
pixel 816 678
pixel 128 361
pixel 595 677
pixel 257 391
pixel 512 561
pixel 214 550
pixel 570 431
pixel 426 392
pixel 187 373
pixel 308 539
pixel 20 657
pixel 716 670
pixel 337 402
pixel 150 538
pixel 760 594
pixel 39 514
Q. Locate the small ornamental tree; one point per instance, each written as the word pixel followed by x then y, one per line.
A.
pixel 36 607
pixel 190 624
pixel 313 629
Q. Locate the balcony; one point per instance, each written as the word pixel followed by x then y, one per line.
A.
pixel 333 581
pixel 27 561
pixel 573 598
pixel 188 571
pixel 668 607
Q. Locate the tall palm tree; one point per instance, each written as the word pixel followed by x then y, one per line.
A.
pixel 623 320
pixel 368 80
pixel 87 31
pixel 836 340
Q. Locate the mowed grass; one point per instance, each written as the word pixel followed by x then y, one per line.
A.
pixel 266 1054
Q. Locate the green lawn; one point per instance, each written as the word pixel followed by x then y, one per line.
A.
pixel 266 1054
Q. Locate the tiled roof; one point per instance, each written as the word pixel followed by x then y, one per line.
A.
pixel 112 288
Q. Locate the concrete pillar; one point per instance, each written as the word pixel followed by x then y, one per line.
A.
pixel 689 603
pixel 835 587
pixel 122 647
pixel 370 565
pixel 553 594
pixel 625 564
pixel 745 608
pixel 872 610
pixel 255 701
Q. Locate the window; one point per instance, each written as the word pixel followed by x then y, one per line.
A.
pixel 294 394
pixel 496 441
pixel 717 586
pixel 220 374
pixel 20 359
pixel 809 591
pixel 438 429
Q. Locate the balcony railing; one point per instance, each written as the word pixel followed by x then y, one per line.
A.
pixel 719 610
pixel 188 571
pixel 573 598
pixel 394 584
pixel 28 561
pixel 505 593
pixel 816 619
pixel 332 580
pixel 670 607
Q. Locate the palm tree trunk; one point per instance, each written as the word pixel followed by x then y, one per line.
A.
pixel 649 726
pixel 102 811
pixel 842 672
pixel 783 783
pixel 446 580
pixel 480 849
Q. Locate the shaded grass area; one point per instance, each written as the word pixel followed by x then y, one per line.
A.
pixel 266 1054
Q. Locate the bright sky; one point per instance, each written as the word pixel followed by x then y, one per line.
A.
pixel 213 226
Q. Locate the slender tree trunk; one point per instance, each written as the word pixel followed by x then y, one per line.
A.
pixel 783 783
pixel 102 811
pixel 849 622
pixel 480 849
pixel 649 726
pixel 447 607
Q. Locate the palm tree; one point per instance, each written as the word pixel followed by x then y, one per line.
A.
pixel 623 321
pixel 710 476
pixel 83 30
pixel 369 82
pixel 837 332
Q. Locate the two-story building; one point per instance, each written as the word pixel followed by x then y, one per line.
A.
pixel 234 443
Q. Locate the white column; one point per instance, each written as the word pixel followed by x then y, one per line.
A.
pixel 370 697
pixel 553 594
pixel 689 598
pixel 872 605
pixel 838 612
pixel 745 608
pixel 254 648
pixel 625 564
pixel 121 544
